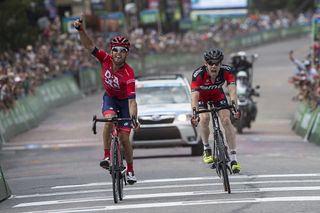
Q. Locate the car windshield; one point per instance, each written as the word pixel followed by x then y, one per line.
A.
pixel 162 94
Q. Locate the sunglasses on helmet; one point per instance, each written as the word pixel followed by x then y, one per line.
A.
pixel 119 49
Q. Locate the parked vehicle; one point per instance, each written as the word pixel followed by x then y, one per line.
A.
pixel 165 113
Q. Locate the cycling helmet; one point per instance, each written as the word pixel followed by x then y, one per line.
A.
pixel 307 63
pixel 120 41
pixel 213 55
pixel 242 74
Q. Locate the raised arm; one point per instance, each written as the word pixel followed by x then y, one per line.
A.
pixel 86 41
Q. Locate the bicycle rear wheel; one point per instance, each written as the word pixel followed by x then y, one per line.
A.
pixel 222 162
pixel 115 172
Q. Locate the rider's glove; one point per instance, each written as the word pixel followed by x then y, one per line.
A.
pixel 236 112
pixel 135 123
pixel 195 120
pixel 78 25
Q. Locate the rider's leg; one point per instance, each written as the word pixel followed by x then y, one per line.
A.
pixel 229 132
pixel 204 128
pixel 204 133
pixel 230 136
pixel 124 138
pixel 106 139
pixel 128 151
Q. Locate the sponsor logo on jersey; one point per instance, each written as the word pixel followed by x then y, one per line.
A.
pixel 111 80
pixel 196 73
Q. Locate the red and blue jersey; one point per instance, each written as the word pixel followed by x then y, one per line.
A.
pixel 119 83
pixel 211 91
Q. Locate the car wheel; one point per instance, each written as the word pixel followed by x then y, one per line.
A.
pixel 197 150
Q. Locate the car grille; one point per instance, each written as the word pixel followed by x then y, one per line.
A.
pixel 163 133
pixel 156 119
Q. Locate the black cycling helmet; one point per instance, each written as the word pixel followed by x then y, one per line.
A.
pixel 213 55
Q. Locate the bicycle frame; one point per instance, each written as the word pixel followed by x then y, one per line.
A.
pixel 117 169
pixel 219 149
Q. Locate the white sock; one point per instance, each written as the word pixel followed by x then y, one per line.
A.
pixel 233 155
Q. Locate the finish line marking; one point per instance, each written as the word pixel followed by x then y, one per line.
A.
pixel 160 187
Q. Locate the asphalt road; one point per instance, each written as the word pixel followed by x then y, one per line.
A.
pixel 54 167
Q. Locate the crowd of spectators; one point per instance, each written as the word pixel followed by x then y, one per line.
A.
pixel 58 53
pixel 306 80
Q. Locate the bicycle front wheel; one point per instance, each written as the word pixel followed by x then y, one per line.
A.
pixel 115 172
pixel 121 177
pixel 222 162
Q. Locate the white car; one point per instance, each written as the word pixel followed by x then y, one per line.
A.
pixel 164 112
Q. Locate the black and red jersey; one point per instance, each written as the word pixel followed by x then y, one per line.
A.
pixel 211 91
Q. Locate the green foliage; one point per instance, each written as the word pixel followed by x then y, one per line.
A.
pixel 17 27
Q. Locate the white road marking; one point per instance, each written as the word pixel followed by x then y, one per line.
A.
pixel 193 179
pixel 170 194
pixel 183 203
pixel 46 144
pixel 161 187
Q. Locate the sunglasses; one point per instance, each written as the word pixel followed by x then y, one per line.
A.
pixel 211 63
pixel 119 49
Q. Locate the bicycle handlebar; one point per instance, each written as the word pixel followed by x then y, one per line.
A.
pixel 213 109
pixel 113 120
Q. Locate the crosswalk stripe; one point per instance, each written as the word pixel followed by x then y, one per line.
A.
pixel 193 179
pixel 162 187
pixel 183 203
pixel 170 194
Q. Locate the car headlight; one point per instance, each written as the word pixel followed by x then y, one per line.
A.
pixel 183 117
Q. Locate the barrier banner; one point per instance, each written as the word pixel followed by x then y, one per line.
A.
pixel 4 188
pixel 298 116
pixel 315 131
pixel 30 110
pixel 89 80
pixel 306 122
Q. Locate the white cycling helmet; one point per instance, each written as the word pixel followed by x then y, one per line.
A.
pixel 242 74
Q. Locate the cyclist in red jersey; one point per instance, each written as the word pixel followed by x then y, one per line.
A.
pixel 119 96
pixel 207 85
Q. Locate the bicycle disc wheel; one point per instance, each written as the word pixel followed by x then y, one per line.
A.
pixel 223 163
pixel 115 173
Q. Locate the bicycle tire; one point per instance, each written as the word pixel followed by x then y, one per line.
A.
pixel 121 178
pixel 222 162
pixel 114 172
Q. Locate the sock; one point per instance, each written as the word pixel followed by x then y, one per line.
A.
pixel 129 167
pixel 206 146
pixel 233 155
pixel 106 153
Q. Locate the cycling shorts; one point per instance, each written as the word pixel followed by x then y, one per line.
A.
pixel 114 106
pixel 220 103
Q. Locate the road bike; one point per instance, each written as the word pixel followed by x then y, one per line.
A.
pixel 116 168
pixel 220 152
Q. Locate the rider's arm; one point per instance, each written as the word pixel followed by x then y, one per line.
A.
pixel 195 99
pixel 233 93
pixel 133 108
pixel 86 41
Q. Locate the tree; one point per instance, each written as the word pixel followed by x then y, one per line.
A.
pixel 18 23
